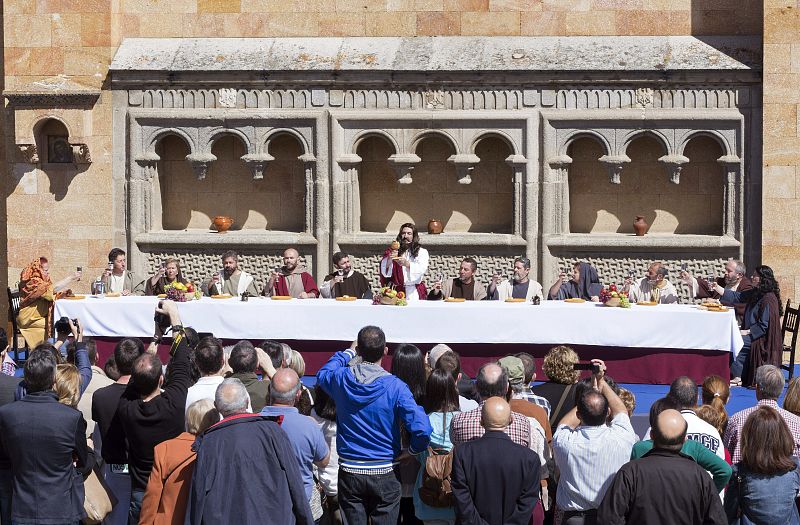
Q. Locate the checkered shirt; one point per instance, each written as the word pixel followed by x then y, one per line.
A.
pixel 466 426
pixel 733 433
pixel 528 395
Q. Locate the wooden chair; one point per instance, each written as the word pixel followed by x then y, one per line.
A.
pixel 791 323
pixel 15 335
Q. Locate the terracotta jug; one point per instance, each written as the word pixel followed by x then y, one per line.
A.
pixel 222 223
pixel 640 225
pixel 435 226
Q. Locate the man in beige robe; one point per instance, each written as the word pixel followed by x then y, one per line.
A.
pixel 231 280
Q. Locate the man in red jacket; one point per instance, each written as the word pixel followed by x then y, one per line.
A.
pixel 292 279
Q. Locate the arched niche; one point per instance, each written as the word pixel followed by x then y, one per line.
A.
pixel 592 199
pixel 377 183
pixel 53 142
pixel 178 186
pixel 285 181
pixel 704 197
pixel 492 179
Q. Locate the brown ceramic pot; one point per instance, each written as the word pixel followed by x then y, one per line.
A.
pixel 222 223
pixel 435 226
pixel 640 225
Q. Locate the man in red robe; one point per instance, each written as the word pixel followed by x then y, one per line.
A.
pixel 292 279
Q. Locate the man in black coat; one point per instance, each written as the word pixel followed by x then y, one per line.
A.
pixel 8 385
pixel 495 481
pixel 43 439
pixel 664 486
pixel 246 471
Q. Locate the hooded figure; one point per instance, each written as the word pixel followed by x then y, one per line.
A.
pixel 587 286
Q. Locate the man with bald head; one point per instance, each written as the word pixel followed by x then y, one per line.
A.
pixel 665 486
pixel 292 279
pixel 494 480
pixel 588 451
pixel 305 436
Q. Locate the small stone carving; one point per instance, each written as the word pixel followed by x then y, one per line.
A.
pixel 644 97
pixel 227 98
pixel 434 99
pixel 257 162
pixel 28 153
pixel 80 154
pixel 403 165
pixel 464 165
pixel 201 162
pixel 673 165
pixel 614 164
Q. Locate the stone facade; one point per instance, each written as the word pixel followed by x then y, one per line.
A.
pixel 57 57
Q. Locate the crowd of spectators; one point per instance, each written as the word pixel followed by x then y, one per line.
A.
pixel 232 435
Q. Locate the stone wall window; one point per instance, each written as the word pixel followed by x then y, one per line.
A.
pixel 52 139
pixel 694 206
pixel 485 205
pixel 275 202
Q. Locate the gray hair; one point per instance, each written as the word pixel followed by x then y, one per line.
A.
pixel 769 379
pixel 741 269
pixel 435 353
pixel 287 354
pixel 200 415
pixel 525 262
pixel 284 398
pixel 231 397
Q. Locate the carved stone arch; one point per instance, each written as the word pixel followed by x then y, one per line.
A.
pixel 724 143
pixel 572 137
pixel 218 133
pixel 304 142
pixel 422 135
pixel 502 135
pixel 44 119
pixel 160 133
pixel 632 135
pixel 368 133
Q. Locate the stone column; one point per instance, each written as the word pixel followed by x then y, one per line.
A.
pixel 140 198
pixel 464 164
pixel 555 220
pixel 308 161
pixel 346 194
pixel 732 223
pixel 517 163
pixel 257 162
pixel 403 165
pixel 673 164
pixel 201 163
pixel 614 164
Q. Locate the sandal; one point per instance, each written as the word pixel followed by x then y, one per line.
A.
pixel 736 381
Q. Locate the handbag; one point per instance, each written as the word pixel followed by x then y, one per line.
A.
pixel 98 500
pixel 435 489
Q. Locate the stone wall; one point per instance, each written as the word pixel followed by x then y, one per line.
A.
pixel 781 191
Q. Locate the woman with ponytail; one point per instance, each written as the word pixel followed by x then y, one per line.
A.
pixel 715 394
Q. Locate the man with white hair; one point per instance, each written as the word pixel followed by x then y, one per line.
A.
pixel 769 386
pixel 245 471
pixel 734 279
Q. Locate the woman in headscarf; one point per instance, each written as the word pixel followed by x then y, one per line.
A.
pixel 761 326
pixel 37 293
pixel 584 284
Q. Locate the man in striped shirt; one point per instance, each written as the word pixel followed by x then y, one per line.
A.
pixel 588 451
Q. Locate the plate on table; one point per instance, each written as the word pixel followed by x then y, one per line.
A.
pixel 113 294
pixel 647 303
pixel 575 300
pixel 346 298
pixel 281 297
pixel 515 300
pixel 222 296
pixel 713 308
pixel 74 297
pixel 162 296
pixel 454 300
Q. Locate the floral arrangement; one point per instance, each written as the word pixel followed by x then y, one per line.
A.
pixel 612 297
pixel 387 295
pixel 181 293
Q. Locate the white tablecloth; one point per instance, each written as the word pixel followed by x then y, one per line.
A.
pixel 553 322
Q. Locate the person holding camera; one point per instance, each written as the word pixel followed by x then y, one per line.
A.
pixel 588 452
pixel 37 293
pixel 148 415
pixel 117 278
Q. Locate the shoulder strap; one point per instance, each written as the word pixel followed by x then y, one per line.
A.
pixel 560 404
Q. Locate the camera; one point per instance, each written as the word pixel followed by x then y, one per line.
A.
pixel 163 321
pixel 62 325
pixel 587 366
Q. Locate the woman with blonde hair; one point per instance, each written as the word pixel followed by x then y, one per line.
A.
pixel 715 393
pixel 168 273
pixel 68 385
pixel 559 365
pixel 791 401
pixel 167 493
pixel 306 401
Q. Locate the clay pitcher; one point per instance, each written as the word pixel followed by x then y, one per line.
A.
pixel 640 225
pixel 222 223
pixel 435 226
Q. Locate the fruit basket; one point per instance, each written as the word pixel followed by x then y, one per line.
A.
pixel 389 297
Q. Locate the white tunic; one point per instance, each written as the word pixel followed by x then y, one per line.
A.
pixel 413 275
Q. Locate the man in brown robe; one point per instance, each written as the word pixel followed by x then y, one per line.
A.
pixel 345 281
pixel 462 287
pixel 734 279
pixel 292 279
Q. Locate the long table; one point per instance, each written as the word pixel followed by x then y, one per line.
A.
pixel 643 344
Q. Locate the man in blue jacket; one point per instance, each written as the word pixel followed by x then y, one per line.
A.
pixel 371 404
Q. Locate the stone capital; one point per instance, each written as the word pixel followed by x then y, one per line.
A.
pixel 257 162
pixel 614 164
pixel 201 162
pixel 674 165
pixel 403 165
pixel 464 164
